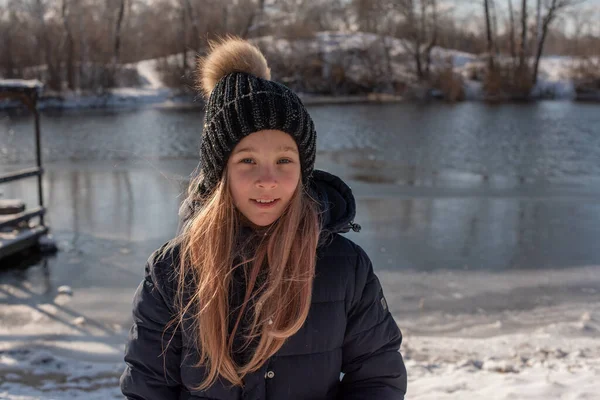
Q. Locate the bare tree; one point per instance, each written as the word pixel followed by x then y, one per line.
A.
pixel 191 11
pixel 366 14
pixel 490 41
pixel 416 34
pixel 7 61
pixel 523 44
pixel 434 36
pixel 241 17
pixel 552 10
pixel 494 15
pixel 511 31
pixel 117 44
pixel 70 45
pixel 583 22
pixel 183 35
pixel 421 21
pixel 538 25
pixel 255 13
pixel 40 9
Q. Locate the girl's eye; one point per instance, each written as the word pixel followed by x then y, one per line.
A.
pixel 247 161
pixel 285 161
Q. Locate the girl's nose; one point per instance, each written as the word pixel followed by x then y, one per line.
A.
pixel 266 179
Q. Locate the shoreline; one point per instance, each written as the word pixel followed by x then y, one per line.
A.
pixel 138 98
pixel 134 98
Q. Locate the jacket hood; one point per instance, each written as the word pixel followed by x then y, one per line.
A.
pixel 336 202
pixel 337 206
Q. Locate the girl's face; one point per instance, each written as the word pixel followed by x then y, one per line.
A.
pixel 263 172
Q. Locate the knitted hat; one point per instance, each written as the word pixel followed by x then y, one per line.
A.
pixel 242 100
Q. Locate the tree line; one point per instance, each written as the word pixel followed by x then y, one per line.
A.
pixel 86 44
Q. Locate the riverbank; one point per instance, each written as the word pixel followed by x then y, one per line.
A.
pixel 145 84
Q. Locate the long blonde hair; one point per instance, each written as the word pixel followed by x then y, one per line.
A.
pixel 285 251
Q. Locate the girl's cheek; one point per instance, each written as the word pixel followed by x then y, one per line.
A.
pixel 248 176
pixel 289 173
pixel 242 174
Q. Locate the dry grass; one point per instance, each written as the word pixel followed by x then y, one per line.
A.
pixel 586 74
pixel 173 75
pixel 507 81
pixel 448 82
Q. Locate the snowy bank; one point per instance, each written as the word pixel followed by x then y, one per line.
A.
pixel 359 53
pixel 49 350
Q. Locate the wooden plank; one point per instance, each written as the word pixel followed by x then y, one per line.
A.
pixel 14 242
pixel 14 219
pixel 22 174
pixel 11 206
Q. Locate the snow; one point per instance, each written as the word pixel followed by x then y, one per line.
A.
pixel 147 70
pixel 119 97
pixel 473 90
pixel 39 371
pixel 518 366
pixel 501 350
pixel 559 361
pixel 53 357
pixel 21 83
pixel 554 77
pixel 549 89
pixel 459 58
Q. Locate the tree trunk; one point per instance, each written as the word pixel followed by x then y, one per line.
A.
pixel 54 81
pixel 117 45
pixel 417 41
pixel 256 12
pixel 540 50
pixel 538 24
pixel 388 63
pixel 513 49
pixel 523 47
pixel 70 46
pixel 83 52
pixel 494 17
pixel 183 38
pixel 225 21
pixel 433 41
pixel 8 62
pixel 195 30
pixel 490 42
pixel 7 58
pixel 547 20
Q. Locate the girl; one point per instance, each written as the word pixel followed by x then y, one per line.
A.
pixel 259 296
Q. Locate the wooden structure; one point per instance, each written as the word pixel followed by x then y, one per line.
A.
pixel 17 233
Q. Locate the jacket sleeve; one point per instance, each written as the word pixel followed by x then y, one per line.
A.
pixel 371 362
pixel 149 374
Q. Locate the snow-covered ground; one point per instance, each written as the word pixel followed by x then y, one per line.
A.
pixel 538 365
pixel 49 350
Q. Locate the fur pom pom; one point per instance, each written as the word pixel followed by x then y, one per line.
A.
pixel 228 55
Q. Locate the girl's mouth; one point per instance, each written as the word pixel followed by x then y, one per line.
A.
pixel 265 203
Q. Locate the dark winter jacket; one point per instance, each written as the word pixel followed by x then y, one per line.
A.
pixel 346 350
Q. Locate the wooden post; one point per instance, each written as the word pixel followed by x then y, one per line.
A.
pixel 38 146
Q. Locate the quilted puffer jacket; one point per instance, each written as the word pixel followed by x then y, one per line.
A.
pixel 348 348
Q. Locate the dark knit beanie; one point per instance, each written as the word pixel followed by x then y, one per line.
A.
pixel 241 100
